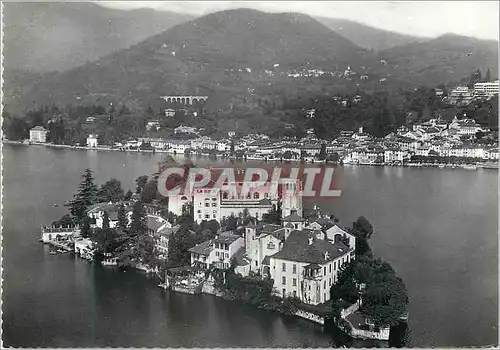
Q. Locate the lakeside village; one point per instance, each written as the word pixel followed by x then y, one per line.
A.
pixel 462 142
pixel 260 248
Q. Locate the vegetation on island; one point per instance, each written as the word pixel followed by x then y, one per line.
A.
pixel 384 295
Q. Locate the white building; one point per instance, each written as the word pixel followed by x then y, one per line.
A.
pixel 307 266
pixel 217 252
pixel 487 89
pixel 169 112
pixel 219 203
pixel 38 134
pixel 161 230
pixel 96 212
pixel 92 141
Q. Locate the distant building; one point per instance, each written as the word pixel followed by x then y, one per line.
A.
pixel 38 134
pixel 185 130
pixel 153 125
pixel 486 89
pixel 170 112
pixel 460 95
pixel 92 141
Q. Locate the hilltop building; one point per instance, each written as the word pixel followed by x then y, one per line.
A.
pixel 487 89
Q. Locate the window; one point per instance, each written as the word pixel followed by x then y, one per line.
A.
pixel 324 284
pixel 270 245
pixel 330 281
pixel 214 204
pixel 294 294
pixel 256 263
pixel 217 254
pixel 249 196
pixel 283 267
pixel 294 282
pixel 207 204
pixel 294 268
pixel 324 270
pixel 256 195
pixel 284 292
pixel 324 296
pixel 227 256
pixel 283 280
pixel 334 265
pixel 266 195
pixel 215 216
pixel 214 199
pixel 330 268
pixel 199 211
pixel 224 195
pixel 207 216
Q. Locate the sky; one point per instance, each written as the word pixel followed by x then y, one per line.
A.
pixel 421 18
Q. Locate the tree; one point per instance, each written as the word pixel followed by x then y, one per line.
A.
pixel 212 225
pixel 86 230
pixel 141 183
pixel 274 215
pixel 65 221
pixel 138 224
pixel 122 218
pixel 150 190
pixel 385 301
pixel 105 221
pixel 128 195
pixel 230 223
pixel 363 226
pixel 111 191
pixel 85 197
pixel 488 75
pixel 322 152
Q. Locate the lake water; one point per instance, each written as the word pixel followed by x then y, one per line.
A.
pixel 437 227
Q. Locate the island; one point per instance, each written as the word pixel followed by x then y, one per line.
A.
pixel 261 249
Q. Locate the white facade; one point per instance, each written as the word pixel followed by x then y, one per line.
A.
pixel 38 134
pixel 486 89
pixel 217 252
pixel 92 141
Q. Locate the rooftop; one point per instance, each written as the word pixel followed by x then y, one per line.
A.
pixel 297 248
pixel 294 217
pixel 226 237
pixel 203 248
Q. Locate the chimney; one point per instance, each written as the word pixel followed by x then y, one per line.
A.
pixel 311 240
pixel 360 130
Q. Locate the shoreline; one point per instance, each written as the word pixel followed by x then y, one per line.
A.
pixel 466 166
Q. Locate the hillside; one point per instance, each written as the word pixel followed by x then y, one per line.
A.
pixel 367 37
pixel 448 58
pixel 203 56
pixel 49 36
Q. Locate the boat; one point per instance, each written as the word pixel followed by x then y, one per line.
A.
pixel 52 252
pixel 469 167
pixel 441 166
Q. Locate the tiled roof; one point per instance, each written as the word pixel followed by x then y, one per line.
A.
pixel 155 222
pixel 39 128
pixel 297 248
pixel 203 248
pixel 226 237
pixel 167 231
pixel 294 217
